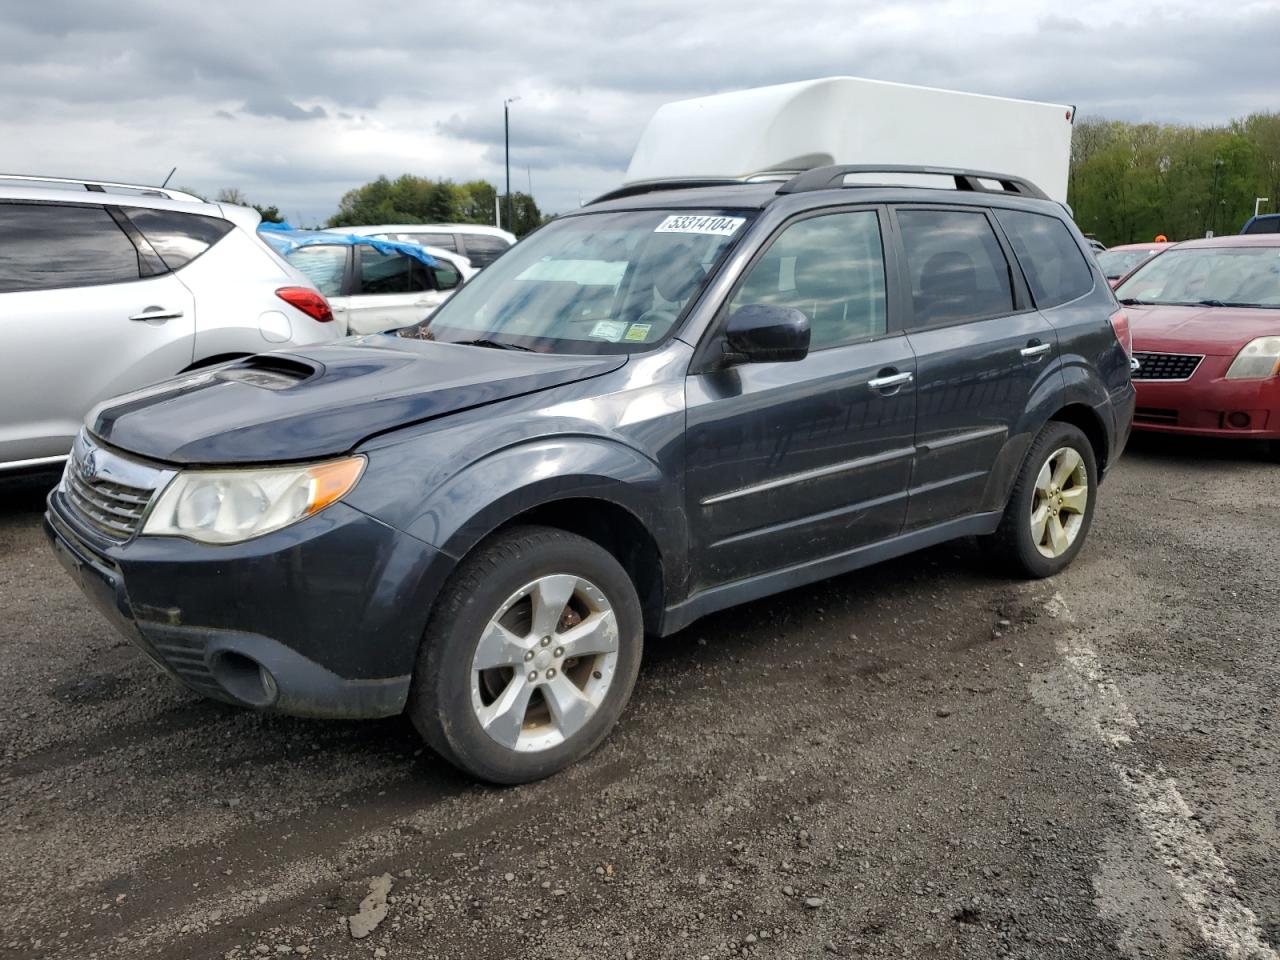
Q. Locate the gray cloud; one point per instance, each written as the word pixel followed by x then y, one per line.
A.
pixel 126 90
pixel 271 105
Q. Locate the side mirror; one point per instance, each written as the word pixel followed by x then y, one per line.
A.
pixel 763 333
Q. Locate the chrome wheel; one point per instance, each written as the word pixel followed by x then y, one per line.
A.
pixel 1059 504
pixel 544 663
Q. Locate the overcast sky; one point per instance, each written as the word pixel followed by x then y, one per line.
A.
pixel 296 103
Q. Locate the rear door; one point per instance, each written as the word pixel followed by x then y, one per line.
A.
pixel 982 351
pixel 88 310
pixel 792 462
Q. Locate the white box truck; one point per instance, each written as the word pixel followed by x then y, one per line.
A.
pixel 848 120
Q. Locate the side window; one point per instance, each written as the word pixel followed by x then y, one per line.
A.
pixel 323 264
pixel 445 241
pixel 44 246
pixel 178 237
pixel 830 268
pixel 1055 269
pixel 382 273
pixel 958 271
pixel 447 276
pixel 482 250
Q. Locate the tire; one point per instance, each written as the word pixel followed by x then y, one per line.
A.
pixel 1022 543
pixel 474 698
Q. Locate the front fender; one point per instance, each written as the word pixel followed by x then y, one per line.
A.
pixel 489 492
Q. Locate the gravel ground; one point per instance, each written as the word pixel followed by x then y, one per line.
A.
pixel 923 759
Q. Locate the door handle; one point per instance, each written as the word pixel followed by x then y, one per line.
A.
pixel 889 381
pixel 157 313
pixel 1035 349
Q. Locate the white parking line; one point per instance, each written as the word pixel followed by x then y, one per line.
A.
pixel 1198 873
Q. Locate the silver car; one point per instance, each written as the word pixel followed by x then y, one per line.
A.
pixel 106 288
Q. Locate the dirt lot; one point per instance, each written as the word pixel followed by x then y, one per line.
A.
pixel 921 760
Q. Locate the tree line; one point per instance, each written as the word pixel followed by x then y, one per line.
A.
pixel 411 199
pixel 1133 181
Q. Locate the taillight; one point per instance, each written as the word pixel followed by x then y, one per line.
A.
pixel 308 301
pixel 1120 324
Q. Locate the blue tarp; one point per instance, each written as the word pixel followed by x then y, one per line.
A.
pixel 284 239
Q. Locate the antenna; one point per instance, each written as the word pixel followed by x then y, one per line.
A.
pixel 170 177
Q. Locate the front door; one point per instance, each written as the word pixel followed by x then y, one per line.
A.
pixel 981 351
pixel 792 462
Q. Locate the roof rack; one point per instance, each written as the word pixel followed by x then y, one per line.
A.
pixel 824 178
pixel 103 186
pixel 649 186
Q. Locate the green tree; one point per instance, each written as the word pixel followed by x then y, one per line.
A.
pixel 269 214
pixel 413 199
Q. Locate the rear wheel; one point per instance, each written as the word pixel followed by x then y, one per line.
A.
pixel 530 656
pixel 1051 508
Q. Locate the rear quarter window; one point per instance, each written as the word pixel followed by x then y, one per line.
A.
pixel 1053 264
pixel 178 237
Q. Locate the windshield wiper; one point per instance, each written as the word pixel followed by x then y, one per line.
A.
pixel 1134 302
pixel 1236 303
pixel 495 344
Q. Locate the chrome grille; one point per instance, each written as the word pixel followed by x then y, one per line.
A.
pixel 1166 366
pixel 107 491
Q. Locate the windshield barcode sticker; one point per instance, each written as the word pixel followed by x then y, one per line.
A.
pixel 715 226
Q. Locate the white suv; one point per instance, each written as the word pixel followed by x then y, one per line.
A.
pixel 105 288
pixel 479 244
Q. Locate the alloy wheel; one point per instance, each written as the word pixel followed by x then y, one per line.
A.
pixel 1060 501
pixel 544 663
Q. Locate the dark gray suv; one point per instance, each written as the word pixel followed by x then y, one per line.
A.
pixel 679 398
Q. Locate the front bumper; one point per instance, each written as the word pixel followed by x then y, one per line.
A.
pixel 1209 405
pixel 320 619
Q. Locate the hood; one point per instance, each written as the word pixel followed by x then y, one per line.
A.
pixel 322 401
pixel 1213 331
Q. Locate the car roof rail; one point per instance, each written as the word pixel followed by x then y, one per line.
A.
pixel 103 186
pixel 650 186
pixel 825 178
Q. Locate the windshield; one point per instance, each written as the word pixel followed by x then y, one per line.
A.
pixel 595 283
pixel 1215 276
pixel 1116 263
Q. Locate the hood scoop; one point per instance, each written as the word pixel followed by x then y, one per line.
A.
pixel 269 371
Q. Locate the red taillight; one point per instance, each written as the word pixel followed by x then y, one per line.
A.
pixel 1120 324
pixel 308 301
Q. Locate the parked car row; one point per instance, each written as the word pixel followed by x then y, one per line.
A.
pixel 373 285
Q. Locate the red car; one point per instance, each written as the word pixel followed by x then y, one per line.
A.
pixel 1120 260
pixel 1205 320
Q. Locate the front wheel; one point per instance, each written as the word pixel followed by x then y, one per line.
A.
pixel 1051 508
pixel 529 657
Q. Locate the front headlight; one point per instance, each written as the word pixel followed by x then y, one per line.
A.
pixel 1258 360
pixel 229 506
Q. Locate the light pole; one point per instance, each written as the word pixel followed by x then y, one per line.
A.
pixel 506 136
